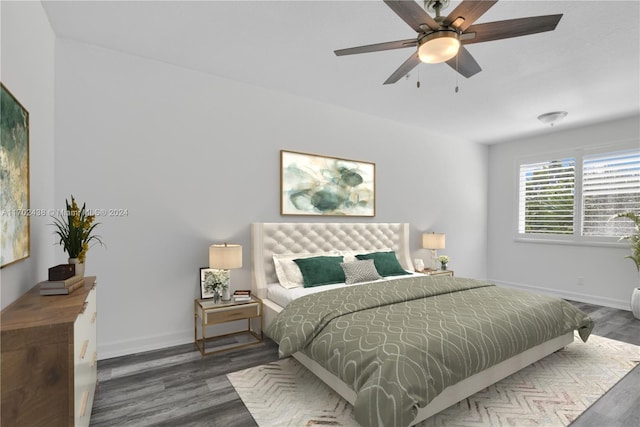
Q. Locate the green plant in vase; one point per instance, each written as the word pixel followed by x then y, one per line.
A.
pixel 634 241
pixel 634 238
pixel 216 281
pixel 76 231
pixel 444 260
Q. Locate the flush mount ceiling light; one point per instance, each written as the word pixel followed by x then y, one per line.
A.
pixel 439 46
pixel 552 118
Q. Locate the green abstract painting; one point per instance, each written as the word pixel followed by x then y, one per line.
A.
pixel 321 185
pixel 14 178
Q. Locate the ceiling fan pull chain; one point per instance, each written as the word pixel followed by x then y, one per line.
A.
pixel 457 73
pixel 418 82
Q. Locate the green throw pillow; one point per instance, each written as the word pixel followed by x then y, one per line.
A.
pixel 386 263
pixel 321 270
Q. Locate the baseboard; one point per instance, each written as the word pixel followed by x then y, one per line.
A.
pixel 574 296
pixel 147 343
pixel 157 342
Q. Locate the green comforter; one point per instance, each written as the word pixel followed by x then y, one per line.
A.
pixel 399 343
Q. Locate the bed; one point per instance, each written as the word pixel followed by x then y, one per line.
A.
pixel 405 346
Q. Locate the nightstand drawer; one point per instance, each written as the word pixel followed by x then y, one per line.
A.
pixel 227 314
pixel 209 313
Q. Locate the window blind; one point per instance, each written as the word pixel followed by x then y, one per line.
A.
pixel 611 185
pixel 546 197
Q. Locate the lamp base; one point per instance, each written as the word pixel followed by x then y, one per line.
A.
pixel 434 259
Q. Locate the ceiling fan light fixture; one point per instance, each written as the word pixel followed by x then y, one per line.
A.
pixel 552 118
pixel 439 46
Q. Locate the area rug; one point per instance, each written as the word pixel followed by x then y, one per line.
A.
pixel 551 392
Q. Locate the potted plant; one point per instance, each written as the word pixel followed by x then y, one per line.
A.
pixel 76 232
pixel 444 260
pixel 634 240
pixel 217 281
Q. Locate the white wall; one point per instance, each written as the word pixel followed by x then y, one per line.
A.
pixel 607 277
pixel 27 70
pixel 195 159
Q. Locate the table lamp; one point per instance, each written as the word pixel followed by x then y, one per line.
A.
pixel 433 241
pixel 225 257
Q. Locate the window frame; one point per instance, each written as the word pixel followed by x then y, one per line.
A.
pixel 575 239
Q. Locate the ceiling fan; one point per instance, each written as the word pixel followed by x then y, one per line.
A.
pixel 442 39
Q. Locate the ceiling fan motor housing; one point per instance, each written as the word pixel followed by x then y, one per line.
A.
pixel 435 6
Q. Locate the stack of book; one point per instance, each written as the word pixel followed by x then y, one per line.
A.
pixel 61 287
pixel 240 296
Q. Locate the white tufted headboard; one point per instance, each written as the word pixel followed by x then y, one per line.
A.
pixel 270 238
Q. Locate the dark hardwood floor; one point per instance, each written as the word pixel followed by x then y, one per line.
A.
pixel 177 387
pixel 620 407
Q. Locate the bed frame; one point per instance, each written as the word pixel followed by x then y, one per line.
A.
pixel 268 239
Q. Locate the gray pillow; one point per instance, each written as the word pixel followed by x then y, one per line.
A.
pixel 360 271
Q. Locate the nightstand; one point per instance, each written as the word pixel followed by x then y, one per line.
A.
pixel 207 313
pixel 437 272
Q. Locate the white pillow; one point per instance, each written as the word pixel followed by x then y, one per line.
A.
pixel 288 272
pixel 350 256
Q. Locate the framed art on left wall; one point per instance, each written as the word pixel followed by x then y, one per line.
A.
pixel 14 172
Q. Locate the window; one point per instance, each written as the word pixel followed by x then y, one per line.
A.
pixel 546 197
pixel 574 197
pixel 610 185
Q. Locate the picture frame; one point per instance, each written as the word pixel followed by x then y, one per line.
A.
pixel 312 184
pixel 15 239
pixel 204 293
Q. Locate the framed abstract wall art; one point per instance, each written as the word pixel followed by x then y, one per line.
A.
pixel 311 184
pixel 14 174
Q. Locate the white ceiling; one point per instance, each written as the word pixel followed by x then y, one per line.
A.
pixel 588 66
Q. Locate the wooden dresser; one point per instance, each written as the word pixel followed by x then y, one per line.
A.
pixel 48 347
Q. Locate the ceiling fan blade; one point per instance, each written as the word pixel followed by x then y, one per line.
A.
pixel 404 69
pixel 399 44
pixel 412 14
pixel 466 64
pixel 511 28
pixel 470 11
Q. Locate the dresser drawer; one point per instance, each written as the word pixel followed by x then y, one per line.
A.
pixel 84 330
pixel 227 314
pixel 85 356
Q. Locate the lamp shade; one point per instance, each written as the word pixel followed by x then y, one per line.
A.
pixel 439 46
pixel 225 256
pixel 433 240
